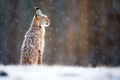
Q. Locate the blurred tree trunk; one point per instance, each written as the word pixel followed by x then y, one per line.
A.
pixel 97 31
pixel 13 32
pixel 102 30
pixel 84 44
pixel 10 35
pixel 71 7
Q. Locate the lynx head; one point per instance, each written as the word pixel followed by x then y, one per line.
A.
pixel 42 20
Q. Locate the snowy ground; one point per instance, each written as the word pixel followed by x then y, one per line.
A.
pixel 58 73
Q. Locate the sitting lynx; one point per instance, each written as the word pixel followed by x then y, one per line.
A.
pixel 33 44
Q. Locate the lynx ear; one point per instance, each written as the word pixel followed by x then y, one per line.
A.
pixel 38 12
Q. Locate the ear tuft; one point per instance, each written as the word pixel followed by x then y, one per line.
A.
pixel 36 8
pixel 38 12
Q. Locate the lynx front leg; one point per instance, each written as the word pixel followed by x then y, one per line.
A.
pixel 39 57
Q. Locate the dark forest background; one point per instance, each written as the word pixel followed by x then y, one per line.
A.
pixel 82 32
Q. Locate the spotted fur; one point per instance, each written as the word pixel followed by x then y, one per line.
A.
pixel 33 44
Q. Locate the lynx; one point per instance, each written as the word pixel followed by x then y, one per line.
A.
pixel 33 44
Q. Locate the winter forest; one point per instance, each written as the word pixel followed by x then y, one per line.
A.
pixel 82 32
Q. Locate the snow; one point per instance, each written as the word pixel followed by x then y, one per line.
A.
pixel 59 73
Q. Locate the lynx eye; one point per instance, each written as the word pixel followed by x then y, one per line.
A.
pixel 47 23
